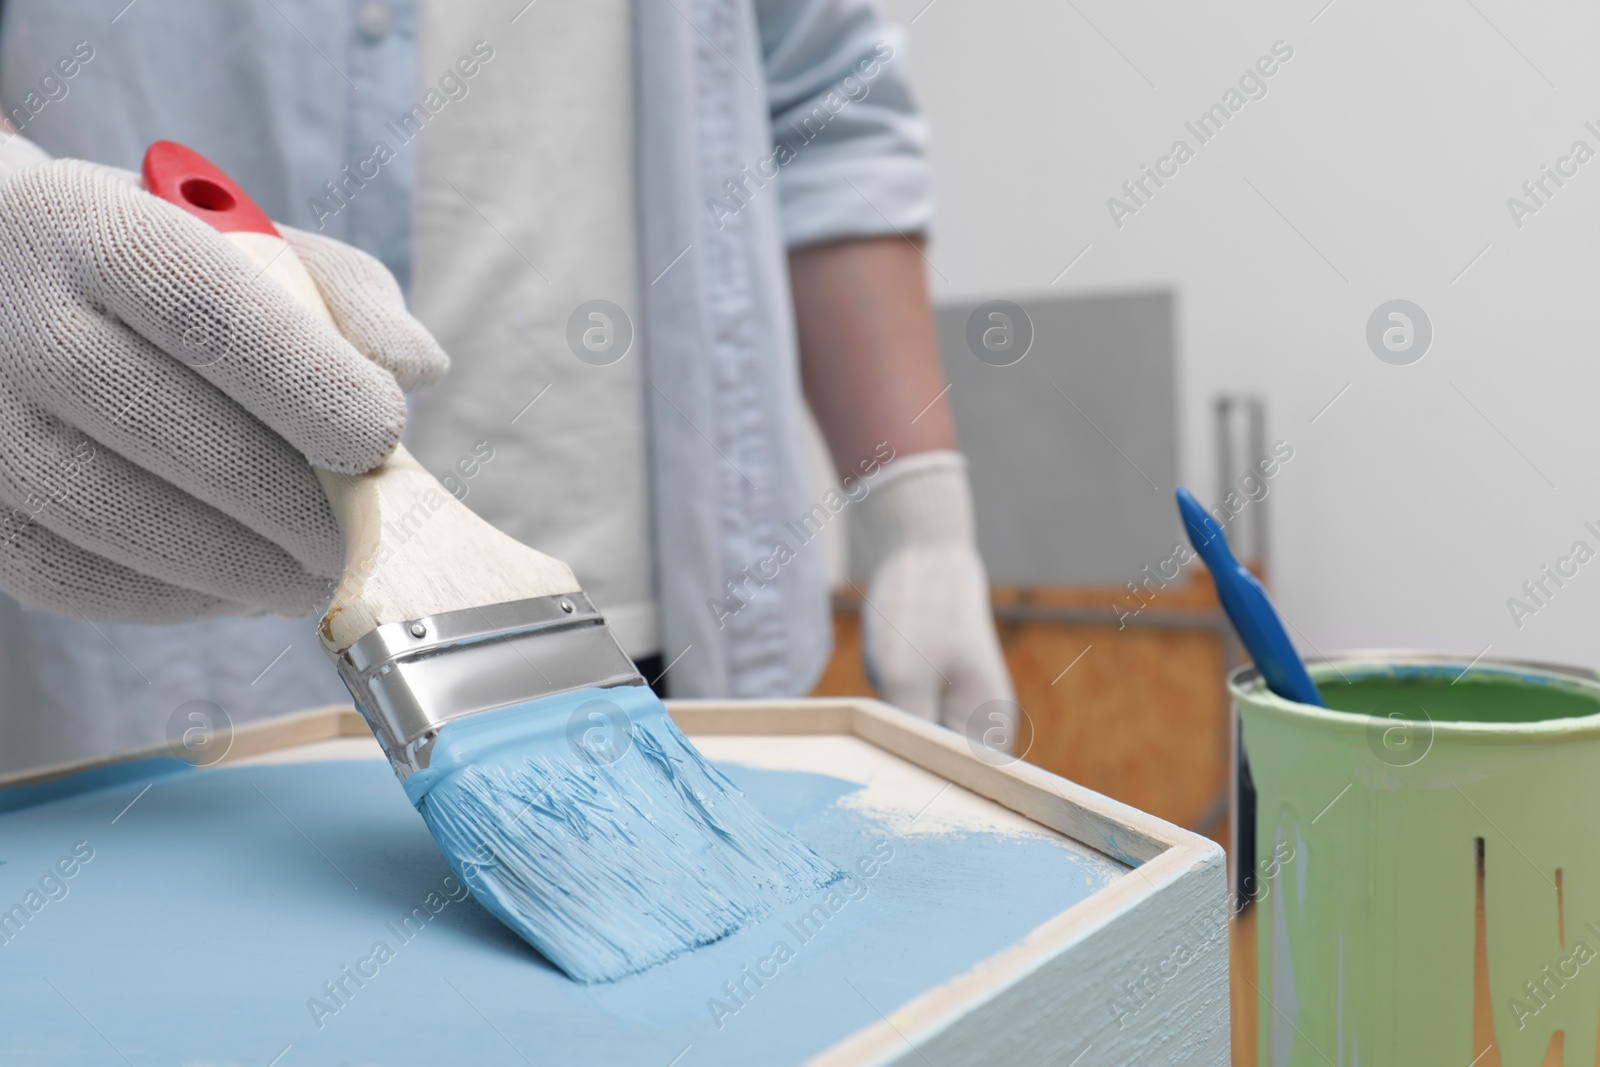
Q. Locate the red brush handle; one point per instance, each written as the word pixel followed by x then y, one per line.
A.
pixel 182 176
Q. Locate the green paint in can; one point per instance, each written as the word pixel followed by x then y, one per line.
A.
pixel 1422 785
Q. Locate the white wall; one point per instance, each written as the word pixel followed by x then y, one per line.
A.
pixel 1391 141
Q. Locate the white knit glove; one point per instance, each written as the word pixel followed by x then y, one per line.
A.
pixel 159 401
pixel 928 633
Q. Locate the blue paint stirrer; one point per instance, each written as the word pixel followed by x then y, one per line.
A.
pixel 1247 606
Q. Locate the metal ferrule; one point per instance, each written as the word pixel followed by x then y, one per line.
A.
pixel 410 678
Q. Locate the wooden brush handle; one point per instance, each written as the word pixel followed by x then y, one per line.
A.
pixel 410 548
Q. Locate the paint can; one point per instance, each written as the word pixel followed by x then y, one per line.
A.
pixel 1416 867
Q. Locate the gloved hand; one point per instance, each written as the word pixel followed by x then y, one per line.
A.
pixel 159 401
pixel 928 632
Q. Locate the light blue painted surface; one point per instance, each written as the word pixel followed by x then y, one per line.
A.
pixel 587 823
pixel 219 904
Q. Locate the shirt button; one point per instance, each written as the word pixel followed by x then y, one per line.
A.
pixel 375 20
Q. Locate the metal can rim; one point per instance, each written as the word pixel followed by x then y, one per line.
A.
pixel 1243 680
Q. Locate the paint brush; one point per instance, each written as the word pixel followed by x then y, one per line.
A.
pixel 550 775
pixel 1246 604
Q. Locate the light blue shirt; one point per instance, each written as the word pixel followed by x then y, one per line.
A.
pixel 762 126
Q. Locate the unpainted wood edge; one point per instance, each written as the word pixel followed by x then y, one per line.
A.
pixel 254 738
pixel 1123 832
pixel 711 717
pixel 301 728
pixel 50 772
pixel 1117 829
pixel 770 717
pixel 922 1019
pixel 1082 814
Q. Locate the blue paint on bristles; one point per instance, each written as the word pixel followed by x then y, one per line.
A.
pixel 611 848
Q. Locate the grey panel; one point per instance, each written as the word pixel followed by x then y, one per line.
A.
pixel 1071 495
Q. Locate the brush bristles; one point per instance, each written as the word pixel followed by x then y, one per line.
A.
pixel 611 865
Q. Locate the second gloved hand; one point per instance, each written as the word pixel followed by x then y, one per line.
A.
pixel 928 632
pixel 160 400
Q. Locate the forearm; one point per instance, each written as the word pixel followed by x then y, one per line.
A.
pixel 869 357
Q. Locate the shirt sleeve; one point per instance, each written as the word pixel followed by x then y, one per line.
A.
pixel 849 142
